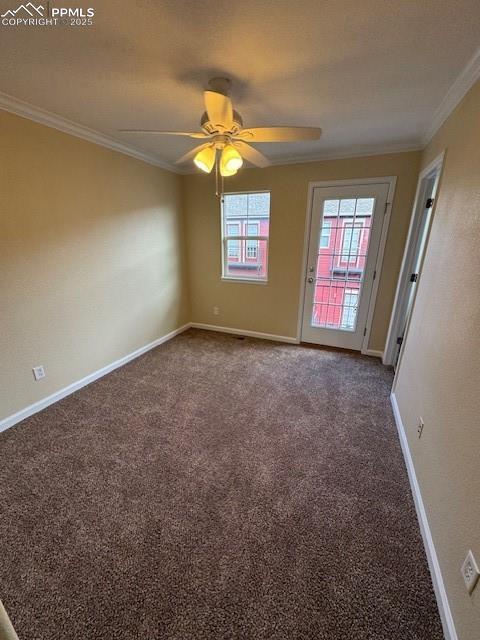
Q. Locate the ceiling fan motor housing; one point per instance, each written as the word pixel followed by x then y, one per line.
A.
pixel 208 127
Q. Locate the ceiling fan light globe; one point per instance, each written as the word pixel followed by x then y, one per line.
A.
pixel 205 159
pixel 226 173
pixel 231 159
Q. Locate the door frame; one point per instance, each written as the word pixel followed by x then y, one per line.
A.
pixel 434 168
pixel 351 182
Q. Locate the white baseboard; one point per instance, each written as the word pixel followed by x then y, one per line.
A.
pixel 244 332
pixel 435 571
pixel 9 421
pixel 374 353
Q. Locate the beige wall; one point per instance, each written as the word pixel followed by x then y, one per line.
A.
pixel 439 373
pixel 90 258
pixel 273 308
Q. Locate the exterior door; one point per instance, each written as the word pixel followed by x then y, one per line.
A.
pixel 344 238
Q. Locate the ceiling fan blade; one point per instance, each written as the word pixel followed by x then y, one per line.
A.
pixel 279 134
pixel 219 109
pixel 192 153
pixel 167 133
pixel 251 154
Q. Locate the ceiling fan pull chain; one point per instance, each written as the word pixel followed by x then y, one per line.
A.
pixel 216 180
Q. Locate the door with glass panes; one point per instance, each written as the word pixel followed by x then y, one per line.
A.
pixel 344 238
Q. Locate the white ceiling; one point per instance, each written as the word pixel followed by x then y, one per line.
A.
pixel 371 73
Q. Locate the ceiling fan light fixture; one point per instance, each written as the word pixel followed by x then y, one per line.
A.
pixel 231 160
pixel 205 159
pixel 226 173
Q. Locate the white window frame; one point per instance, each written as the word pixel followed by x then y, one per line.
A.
pixel 240 238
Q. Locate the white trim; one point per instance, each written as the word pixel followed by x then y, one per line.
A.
pixel 433 563
pixel 463 83
pixel 359 151
pixel 392 181
pixel 244 332
pixel 374 353
pixel 9 421
pixel 402 284
pixel 49 119
pixel 244 280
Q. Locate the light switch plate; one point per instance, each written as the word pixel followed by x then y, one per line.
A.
pixel 470 572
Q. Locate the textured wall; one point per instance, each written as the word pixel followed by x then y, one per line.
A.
pixel 273 308
pixel 439 374
pixel 90 258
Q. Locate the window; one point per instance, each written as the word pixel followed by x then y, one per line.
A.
pixel 252 245
pixel 245 233
pixel 234 245
pixel 325 235
pixel 351 242
pixel 349 310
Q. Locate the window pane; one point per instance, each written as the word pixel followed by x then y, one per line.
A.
pixel 330 207
pixel 250 261
pixel 233 249
pixel 347 207
pixel 233 229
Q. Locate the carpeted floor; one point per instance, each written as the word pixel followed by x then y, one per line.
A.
pixel 215 488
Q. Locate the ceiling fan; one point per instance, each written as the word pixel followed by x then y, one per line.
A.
pixel 226 140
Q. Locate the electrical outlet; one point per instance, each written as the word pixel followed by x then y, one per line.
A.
pixel 420 426
pixel 216 311
pixel 470 572
pixel 39 372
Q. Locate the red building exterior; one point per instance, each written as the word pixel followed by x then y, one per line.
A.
pixel 342 253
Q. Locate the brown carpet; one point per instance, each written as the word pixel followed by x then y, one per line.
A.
pixel 215 488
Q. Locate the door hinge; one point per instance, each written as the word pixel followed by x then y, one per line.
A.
pixel 413 277
pixel 429 203
pixel 386 207
pixel 365 331
pixel 399 339
pixel 374 274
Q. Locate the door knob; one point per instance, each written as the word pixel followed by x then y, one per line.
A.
pixel 310 279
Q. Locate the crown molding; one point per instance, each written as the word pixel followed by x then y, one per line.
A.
pixel 357 151
pixel 49 119
pixel 456 93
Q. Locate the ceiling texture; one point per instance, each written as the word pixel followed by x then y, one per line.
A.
pixel 371 73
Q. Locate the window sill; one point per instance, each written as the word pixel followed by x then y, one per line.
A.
pixel 243 280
